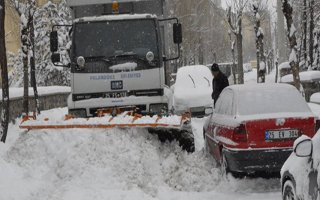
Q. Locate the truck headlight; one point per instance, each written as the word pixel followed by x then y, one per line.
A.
pixel 149 56
pixel 81 62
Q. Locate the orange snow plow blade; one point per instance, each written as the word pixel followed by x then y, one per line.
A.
pixel 124 121
pixel 167 127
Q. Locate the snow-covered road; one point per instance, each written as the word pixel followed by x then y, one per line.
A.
pixel 115 164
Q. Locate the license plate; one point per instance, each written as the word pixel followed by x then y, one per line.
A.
pixel 116 94
pixel 282 134
pixel 116 85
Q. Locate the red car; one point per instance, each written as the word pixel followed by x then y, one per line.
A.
pixel 253 127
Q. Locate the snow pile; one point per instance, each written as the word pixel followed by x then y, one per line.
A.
pixel 18 92
pixel 284 65
pixel 304 76
pixel 193 87
pixel 114 164
pixel 315 98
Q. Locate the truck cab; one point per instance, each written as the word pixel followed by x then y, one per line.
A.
pixel 116 59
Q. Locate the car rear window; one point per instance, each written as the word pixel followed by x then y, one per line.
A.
pixel 270 101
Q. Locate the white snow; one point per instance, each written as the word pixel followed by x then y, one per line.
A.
pixel 304 76
pixel 284 65
pixel 130 66
pixel 292 30
pixel 262 65
pixel 18 92
pixel 193 87
pixel 114 164
pixel 115 17
pixel 293 56
pixel 315 98
pixel 259 99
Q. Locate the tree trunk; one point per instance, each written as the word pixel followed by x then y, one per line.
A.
pixel 239 49
pixel 305 31
pixel 311 39
pixel 33 65
pixel 4 76
pixel 287 11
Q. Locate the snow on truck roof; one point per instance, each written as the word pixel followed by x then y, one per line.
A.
pixel 116 17
pixel 72 3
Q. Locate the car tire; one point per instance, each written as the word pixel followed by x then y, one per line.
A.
pixel 289 192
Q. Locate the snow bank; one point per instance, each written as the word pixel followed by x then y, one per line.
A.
pixel 304 76
pixel 284 65
pixel 120 164
pixel 18 92
pixel 315 98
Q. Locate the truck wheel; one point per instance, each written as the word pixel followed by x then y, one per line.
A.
pixel 289 192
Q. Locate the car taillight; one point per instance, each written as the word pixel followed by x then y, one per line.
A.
pixel 240 134
pixel 317 125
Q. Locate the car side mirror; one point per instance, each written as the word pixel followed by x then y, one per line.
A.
pixel 54 41
pixel 303 148
pixel 208 111
pixel 177 33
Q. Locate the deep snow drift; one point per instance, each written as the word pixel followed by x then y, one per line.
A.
pixel 114 164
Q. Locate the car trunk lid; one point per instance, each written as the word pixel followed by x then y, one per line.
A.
pixel 278 132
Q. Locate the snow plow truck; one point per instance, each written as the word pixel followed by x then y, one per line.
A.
pixel 118 66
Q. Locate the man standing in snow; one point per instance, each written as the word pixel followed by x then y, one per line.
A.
pixel 219 82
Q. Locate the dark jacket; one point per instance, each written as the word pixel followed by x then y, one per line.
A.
pixel 218 84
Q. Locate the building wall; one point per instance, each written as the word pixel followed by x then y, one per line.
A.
pixel 12 26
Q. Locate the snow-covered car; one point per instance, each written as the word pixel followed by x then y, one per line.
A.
pixel 299 174
pixel 253 127
pixel 192 90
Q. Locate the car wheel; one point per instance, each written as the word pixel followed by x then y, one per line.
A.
pixel 289 192
pixel 224 165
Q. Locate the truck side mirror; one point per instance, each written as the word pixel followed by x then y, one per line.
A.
pixel 55 58
pixel 54 41
pixel 177 33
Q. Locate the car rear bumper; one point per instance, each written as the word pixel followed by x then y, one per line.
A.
pixel 256 160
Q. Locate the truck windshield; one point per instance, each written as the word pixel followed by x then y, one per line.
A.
pixel 110 38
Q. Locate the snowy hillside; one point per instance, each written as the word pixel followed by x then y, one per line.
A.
pixel 114 164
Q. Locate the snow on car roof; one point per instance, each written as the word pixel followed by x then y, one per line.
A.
pixel 271 100
pixel 304 76
pixel 116 17
pixel 193 86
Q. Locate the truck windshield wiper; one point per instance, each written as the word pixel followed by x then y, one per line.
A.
pixel 99 58
pixel 128 54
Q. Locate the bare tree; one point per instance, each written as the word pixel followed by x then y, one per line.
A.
pixel 234 18
pixel 4 76
pixel 233 59
pixel 33 81
pixel 261 59
pixel 304 33
pixel 287 11
pixel 311 29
